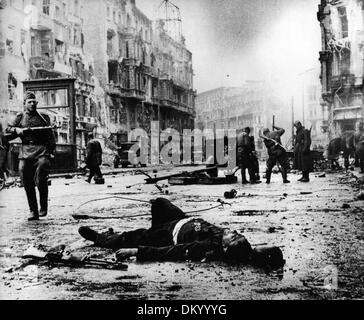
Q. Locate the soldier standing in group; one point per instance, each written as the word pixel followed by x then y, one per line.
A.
pixel 253 154
pixel 94 158
pixel 38 145
pixel 302 151
pixel 276 152
pixel 244 151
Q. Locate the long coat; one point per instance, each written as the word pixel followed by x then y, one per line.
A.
pixel 94 153
pixel 302 155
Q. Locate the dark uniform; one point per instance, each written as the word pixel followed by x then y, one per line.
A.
pixel 174 237
pixel 276 154
pixel 244 154
pixel 4 148
pixel 34 157
pixel 302 152
pixel 254 158
pixel 360 152
pixel 94 159
pixel 195 239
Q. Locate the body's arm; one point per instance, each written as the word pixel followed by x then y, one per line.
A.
pixel 195 251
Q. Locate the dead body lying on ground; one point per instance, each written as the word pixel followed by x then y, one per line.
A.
pixel 175 237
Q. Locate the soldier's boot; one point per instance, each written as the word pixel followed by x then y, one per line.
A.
pixel 284 175
pixel 32 202
pixel 43 199
pixel 253 177
pixel 306 177
pixel 243 177
pixel 267 176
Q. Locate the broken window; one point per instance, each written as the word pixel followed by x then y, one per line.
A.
pixel 57 12
pixel 45 47
pixel 46 4
pixel 127 49
pixel 343 22
pixel 33 46
pixel 113 72
pixel 110 35
pixel 344 62
pixel 59 48
pixel 12 84
pixel 10 45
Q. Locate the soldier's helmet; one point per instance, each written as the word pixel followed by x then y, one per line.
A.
pixel 29 95
pixel 265 131
pixel 297 124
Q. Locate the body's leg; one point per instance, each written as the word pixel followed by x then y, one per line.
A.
pixel 128 239
pixel 164 211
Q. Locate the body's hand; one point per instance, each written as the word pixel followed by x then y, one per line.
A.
pixel 19 131
pixel 123 254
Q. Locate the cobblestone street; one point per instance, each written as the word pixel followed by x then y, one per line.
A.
pixel 318 225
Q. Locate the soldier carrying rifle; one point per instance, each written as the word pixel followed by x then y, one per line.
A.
pixel 38 144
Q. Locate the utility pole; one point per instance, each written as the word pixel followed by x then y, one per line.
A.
pixel 292 112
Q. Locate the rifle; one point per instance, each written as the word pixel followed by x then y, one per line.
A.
pixel 60 255
pixel 272 140
pixel 156 179
pixel 41 128
pixel 9 135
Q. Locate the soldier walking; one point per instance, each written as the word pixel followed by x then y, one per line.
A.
pixel 38 145
pixel 94 158
pixel 276 152
pixel 302 151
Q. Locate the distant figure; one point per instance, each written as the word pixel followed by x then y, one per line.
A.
pixel 276 152
pixel 244 155
pixel 302 151
pixel 93 158
pixel 4 148
pixel 38 146
pixel 253 154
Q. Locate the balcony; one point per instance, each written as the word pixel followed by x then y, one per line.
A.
pixel 344 80
pixel 127 30
pixel 135 94
pixel 41 62
pixel 41 22
pixel 176 105
pixel 118 90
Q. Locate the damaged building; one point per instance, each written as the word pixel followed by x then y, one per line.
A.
pixel 129 71
pixel 251 105
pixel 342 29
pixel 44 40
pixel 146 74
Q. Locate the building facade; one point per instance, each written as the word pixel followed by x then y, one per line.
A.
pixel 128 70
pixel 44 40
pixel 342 68
pixel 315 117
pixel 146 75
pixel 251 105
